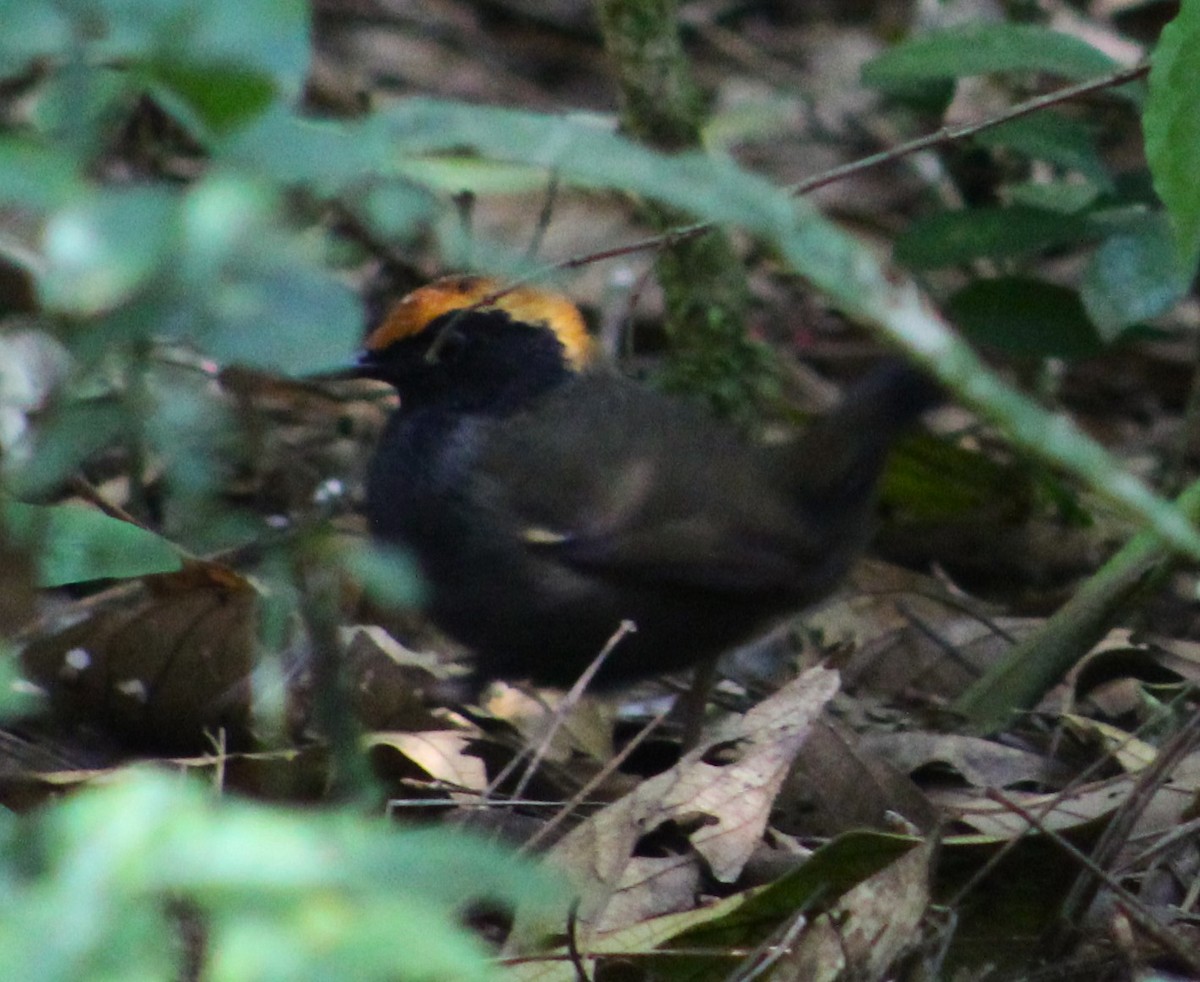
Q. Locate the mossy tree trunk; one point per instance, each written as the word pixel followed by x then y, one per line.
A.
pixel 702 277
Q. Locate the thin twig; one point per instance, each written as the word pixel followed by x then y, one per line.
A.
pixel 1150 781
pixel 1131 904
pixel 569 701
pixel 599 778
pixel 946 134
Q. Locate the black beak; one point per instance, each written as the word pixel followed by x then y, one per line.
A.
pixel 366 366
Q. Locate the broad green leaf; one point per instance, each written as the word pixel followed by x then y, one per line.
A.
pixel 61 443
pixel 223 95
pixel 30 31
pixel 328 155
pixel 398 210
pixel 1066 197
pixel 36 175
pixel 1172 127
pixel 1052 137
pixel 980 49
pixel 16 700
pixel 284 313
pixel 1025 317
pixel 952 237
pixel 286 894
pixel 223 215
pixel 457 173
pixel 78 107
pixel 387 576
pixel 267 37
pixel 591 155
pixel 1134 275
pixel 103 248
pixel 74 544
pixel 258 293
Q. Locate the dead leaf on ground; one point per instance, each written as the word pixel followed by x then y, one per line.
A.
pixel 978 762
pixel 739 933
pixel 712 806
pixel 868 929
pixel 165 672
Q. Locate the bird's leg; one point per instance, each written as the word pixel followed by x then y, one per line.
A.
pixel 694 701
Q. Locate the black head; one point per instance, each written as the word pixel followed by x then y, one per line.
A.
pixel 463 344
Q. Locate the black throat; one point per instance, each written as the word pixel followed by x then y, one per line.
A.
pixel 479 362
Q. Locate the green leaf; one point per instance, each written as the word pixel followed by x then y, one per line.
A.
pixel 950 238
pixel 1172 127
pixel 266 37
pixel 387 576
pixel 458 173
pixel 74 544
pixel 30 30
pixel 289 149
pixel 980 49
pixel 36 175
pixel 61 443
pixel 105 247
pixel 1052 137
pixel 79 107
pixel 223 95
pixel 1135 274
pixel 17 698
pixel 285 894
pixel 258 293
pixel 398 210
pixel 283 312
pixel 1025 317
pixel 1065 197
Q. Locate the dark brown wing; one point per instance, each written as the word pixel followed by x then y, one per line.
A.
pixel 644 486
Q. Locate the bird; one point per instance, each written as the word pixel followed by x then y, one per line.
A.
pixel 547 498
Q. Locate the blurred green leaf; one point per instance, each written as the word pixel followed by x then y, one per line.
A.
pixel 267 37
pixel 257 293
pixel 75 431
pixel 30 30
pixel 103 248
pixel 36 175
pixel 1067 197
pixel 950 238
pixel 1055 138
pixel 456 173
pixel 979 49
pixel 1134 275
pixel 74 544
pixel 288 149
pixel 387 576
pixel 79 105
pixel 286 895
pixel 224 96
pixel 398 210
pixel 280 310
pixel 1025 317
pixel 17 698
pixel 1172 127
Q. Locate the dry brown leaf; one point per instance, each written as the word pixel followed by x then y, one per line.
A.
pixel 163 673
pixel 868 929
pixel 441 755
pixel 837 786
pixel 979 762
pixel 971 813
pixel 712 806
